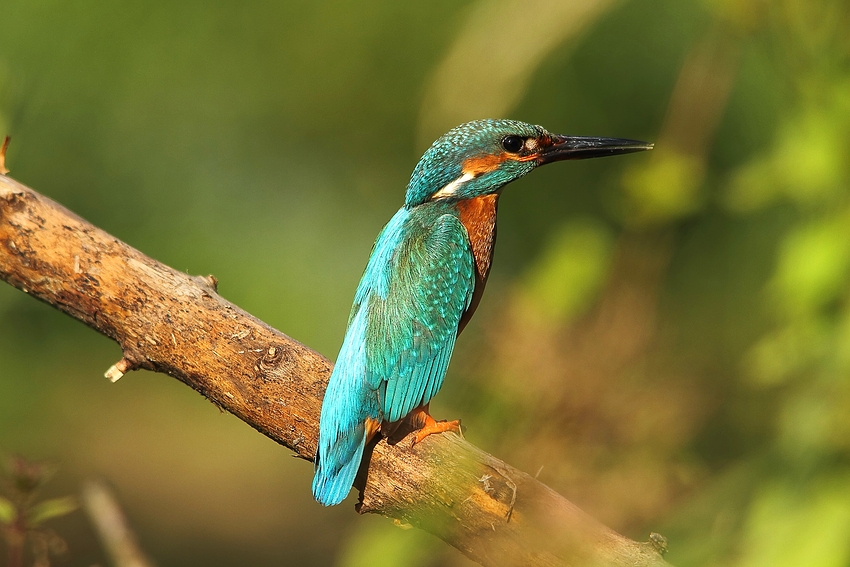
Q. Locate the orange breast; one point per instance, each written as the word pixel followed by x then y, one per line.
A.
pixel 479 217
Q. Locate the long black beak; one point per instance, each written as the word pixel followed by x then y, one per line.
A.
pixel 584 147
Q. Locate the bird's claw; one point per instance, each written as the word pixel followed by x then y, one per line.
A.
pixel 433 426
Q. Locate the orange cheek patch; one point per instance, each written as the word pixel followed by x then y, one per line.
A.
pixel 480 165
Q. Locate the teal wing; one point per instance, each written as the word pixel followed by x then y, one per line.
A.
pixel 413 313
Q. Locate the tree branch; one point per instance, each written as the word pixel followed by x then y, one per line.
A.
pixel 167 321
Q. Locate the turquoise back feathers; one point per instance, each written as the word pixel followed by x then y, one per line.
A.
pixel 401 333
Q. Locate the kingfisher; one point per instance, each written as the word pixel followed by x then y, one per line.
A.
pixel 422 283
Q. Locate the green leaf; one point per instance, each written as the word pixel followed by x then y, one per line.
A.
pixel 54 508
pixel 7 511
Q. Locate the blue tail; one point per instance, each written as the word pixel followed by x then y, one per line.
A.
pixel 337 464
pixel 342 425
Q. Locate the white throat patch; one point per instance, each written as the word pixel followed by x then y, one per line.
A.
pixel 450 189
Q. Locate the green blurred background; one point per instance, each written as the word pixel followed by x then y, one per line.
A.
pixel 666 336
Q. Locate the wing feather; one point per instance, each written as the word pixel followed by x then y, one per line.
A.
pixel 412 327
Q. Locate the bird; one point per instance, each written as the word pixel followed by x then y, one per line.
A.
pixel 423 282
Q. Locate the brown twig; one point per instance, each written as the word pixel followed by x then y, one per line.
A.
pixel 112 527
pixel 170 322
pixel 3 148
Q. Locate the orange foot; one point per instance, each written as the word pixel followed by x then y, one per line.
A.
pixel 431 425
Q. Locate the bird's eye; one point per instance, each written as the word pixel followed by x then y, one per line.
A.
pixel 513 144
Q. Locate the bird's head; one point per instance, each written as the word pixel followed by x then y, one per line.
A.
pixel 481 157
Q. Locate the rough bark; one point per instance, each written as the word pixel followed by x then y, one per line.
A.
pixel 167 321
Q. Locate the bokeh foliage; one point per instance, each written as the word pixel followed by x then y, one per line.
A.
pixel 666 337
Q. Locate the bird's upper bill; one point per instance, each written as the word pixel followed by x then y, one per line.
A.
pixel 557 148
